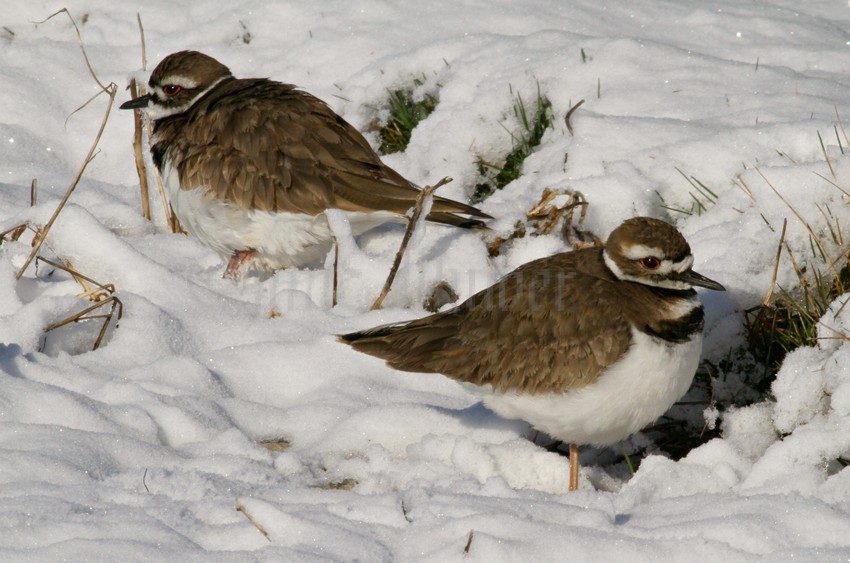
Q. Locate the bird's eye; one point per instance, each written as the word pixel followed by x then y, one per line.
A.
pixel 171 90
pixel 650 262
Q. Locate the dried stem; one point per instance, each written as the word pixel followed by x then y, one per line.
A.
pixel 34 192
pixel 569 114
pixel 411 225
pixel 139 155
pixel 336 270
pixel 142 38
pixel 468 545
pixel 39 238
pixel 102 295
pixel 110 90
pixel 241 508
pixel 15 232
pixel 92 294
pixel 80 41
pixel 769 295
pixel 81 316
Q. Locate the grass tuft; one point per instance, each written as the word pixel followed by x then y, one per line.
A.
pixel 702 197
pixel 405 115
pixel 790 319
pixel 534 124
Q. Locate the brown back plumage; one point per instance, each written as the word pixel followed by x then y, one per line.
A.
pixel 529 333
pixel 266 145
pixel 551 325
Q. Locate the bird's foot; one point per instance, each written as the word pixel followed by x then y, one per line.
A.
pixel 238 264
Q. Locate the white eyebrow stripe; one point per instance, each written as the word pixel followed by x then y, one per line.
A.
pixel 665 268
pixel 180 80
pixel 638 251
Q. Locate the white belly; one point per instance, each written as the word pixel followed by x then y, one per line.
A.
pixel 281 240
pixel 633 392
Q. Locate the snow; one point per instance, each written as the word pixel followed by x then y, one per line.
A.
pixel 143 449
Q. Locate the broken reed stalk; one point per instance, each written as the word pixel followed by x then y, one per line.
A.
pixel 117 305
pixel 241 508
pixel 102 295
pixel 426 192
pixel 140 130
pixel 468 545
pixel 336 270
pixel 141 169
pixel 110 90
pixel 769 295
pixel 34 192
pixel 570 114
pixel 545 216
pixel 88 292
pixel 14 233
pixel 142 37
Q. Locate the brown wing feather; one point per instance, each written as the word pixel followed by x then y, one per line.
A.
pixel 288 151
pixel 520 333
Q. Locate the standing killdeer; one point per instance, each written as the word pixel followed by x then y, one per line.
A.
pixel 587 346
pixel 251 165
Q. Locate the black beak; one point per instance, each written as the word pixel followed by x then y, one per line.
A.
pixel 140 102
pixel 700 280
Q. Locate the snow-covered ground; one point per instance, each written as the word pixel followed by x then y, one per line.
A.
pixel 144 448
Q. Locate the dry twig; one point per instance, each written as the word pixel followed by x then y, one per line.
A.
pixel 241 508
pixel 110 90
pixel 769 295
pixel 102 295
pixel 141 169
pixel 411 226
pixel 336 271
pixel 569 114
pixel 468 545
pixel 545 216
pixel 14 233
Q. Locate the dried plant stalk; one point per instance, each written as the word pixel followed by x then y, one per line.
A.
pixel 101 294
pixel 411 225
pixel 545 216
pixel 14 233
pixel 241 508
pixel 766 301
pixel 39 239
pixel 336 271
pixel 570 114
pixel 116 305
pixel 93 294
pixel 468 545
pixel 141 169
pixel 111 89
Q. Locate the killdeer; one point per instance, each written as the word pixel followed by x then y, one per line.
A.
pixel 251 165
pixel 587 346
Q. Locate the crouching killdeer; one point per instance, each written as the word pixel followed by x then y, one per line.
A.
pixel 587 346
pixel 251 165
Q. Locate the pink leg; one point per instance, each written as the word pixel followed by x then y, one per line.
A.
pixel 238 264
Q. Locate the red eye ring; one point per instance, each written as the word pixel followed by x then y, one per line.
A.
pixel 171 90
pixel 650 262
